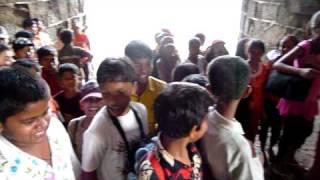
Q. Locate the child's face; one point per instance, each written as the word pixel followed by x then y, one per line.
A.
pixel 46 61
pixel 69 81
pixel 287 45
pixel 29 126
pixel 6 58
pixel 91 106
pixel 199 131
pixel 255 54
pixel 143 69
pixel 117 95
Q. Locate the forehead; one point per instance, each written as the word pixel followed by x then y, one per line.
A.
pixel 68 74
pixel 32 109
pixel 113 86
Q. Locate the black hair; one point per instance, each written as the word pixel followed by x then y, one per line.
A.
pixel 24 34
pixel 26 64
pixel 196 79
pixel 67 67
pixel 194 41
pixel 201 36
pixel 183 70
pixel 241 48
pixel 257 44
pixel 228 77
pixel 28 23
pixel 18 88
pixel 3 48
pixel 66 36
pixel 116 70
pixel 45 51
pixel 180 107
pixel 136 50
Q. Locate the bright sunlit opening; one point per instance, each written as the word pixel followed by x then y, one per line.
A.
pixel 112 24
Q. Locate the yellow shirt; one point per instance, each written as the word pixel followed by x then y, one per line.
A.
pixel 153 89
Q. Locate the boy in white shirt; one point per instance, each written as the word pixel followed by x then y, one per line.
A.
pixel 229 155
pixel 117 129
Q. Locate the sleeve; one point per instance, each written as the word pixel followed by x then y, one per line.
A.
pixel 71 129
pixel 245 166
pixel 144 117
pixel 93 150
pixel 146 171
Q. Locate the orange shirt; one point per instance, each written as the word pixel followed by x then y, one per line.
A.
pixel 81 40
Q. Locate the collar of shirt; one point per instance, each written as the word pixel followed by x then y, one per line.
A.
pixel 228 124
pixel 192 150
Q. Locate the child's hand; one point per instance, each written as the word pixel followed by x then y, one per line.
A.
pixel 308 73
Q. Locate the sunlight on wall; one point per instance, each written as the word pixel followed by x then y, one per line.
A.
pixel 112 24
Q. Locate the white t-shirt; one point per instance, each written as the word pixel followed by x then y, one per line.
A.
pixel 17 164
pixel 103 148
pixel 228 153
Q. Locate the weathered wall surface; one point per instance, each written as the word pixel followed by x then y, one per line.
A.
pixel 270 20
pixel 53 12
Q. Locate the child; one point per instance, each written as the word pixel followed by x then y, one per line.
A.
pixel 73 54
pixel 80 38
pixel 216 49
pixel 183 70
pixel 194 55
pixel 69 98
pixel 118 128
pixel 33 144
pixel 91 102
pixel 258 79
pixel 273 119
pixel 228 153
pixel 148 87
pixel 23 48
pixel 5 55
pixel 46 57
pixel 303 61
pixel 181 112
pixel 197 79
pixel 169 59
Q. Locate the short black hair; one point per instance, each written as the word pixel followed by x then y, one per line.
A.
pixel 228 77
pixel 194 41
pixel 45 51
pixel 241 48
pixel 116 70
pixel 183 70
pixel 66 36
pixel 27 64
pixel 67 67
pixel 137 50
pixel 257 44
pixel 201 36
pixel 180 107
pixel 197 79
pixel 3 48
pixel 28 23
pixel 18 88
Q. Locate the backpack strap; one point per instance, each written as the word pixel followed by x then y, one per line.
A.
pixel 156 165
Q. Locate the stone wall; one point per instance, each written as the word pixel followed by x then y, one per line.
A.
pixel 54 13
pixel 270 20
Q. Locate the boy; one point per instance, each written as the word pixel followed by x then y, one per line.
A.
pixel 46 57
pixel 5 55
pixel 73 54
pixel 33 144
pixel 111 140
pixel 68 99
pixel 181 112
pixel 228 153
pixel 148 87
pixel 23 48
pixel 194 55
pixel 91 102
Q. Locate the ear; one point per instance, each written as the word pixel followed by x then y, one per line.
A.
pixel 247 92
pixel 193 132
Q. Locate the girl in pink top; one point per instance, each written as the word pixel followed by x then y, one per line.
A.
pixel 302 60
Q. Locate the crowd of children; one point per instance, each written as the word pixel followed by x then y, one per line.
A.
pixel 151 115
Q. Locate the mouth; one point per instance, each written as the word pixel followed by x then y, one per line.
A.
pixel 40 134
